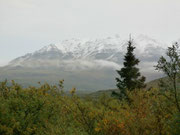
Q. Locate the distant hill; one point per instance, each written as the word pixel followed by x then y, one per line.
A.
pixel 154 83
pixel 97 94
pixel 151 84
pixel 82 80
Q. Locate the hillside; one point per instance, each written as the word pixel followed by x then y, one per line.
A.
pixel 151 84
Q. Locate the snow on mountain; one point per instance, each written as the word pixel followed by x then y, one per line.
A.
pixel 87 54
pixel 48 48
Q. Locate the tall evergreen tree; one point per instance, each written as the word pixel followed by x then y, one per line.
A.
pixel 130 77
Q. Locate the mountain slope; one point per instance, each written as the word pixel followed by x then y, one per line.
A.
pixel 92 62
pixel 89 53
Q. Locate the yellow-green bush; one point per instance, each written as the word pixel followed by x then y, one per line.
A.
pixel 46 110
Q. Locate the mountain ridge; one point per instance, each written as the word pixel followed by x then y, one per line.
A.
pixel 94 51
pixel 84 64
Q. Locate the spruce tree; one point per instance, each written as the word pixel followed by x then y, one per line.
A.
pixel 130 77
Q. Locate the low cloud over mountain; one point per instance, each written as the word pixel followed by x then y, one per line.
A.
pixel 96 54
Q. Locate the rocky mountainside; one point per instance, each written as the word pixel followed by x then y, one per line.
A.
pixel 84 64
pixel 76 54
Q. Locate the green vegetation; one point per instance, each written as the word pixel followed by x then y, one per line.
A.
pixel 171 67
pixel 130 77
pixel 48 110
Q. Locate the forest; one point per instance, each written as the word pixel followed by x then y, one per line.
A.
pixel 132 110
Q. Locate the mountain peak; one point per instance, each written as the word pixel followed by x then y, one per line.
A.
pixel 51 47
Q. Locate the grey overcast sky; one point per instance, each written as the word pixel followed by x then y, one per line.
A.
pixel 28 25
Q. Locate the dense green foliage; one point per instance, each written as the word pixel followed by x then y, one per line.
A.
pixel 130 77
pixel 46 110
pixel 171 67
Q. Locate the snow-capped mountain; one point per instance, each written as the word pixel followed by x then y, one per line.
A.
pixel 78 54
pixel 85 64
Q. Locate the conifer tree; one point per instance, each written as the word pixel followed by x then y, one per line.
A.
pixel 130 77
